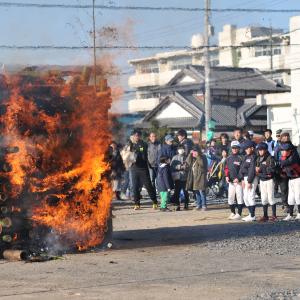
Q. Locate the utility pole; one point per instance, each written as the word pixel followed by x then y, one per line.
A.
pixel 207 29
pixel 94 46
pixel 271 49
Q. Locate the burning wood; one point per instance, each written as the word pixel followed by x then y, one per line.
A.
pixel 15 255
pixel 53 174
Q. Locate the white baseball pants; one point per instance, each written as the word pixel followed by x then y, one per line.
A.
pixel 294 191
pixel 249 194
pixel 267 192
pixel 235 189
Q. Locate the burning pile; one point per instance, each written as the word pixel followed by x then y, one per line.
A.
pixel 53 174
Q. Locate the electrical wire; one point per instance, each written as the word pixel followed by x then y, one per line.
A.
pixel 156 8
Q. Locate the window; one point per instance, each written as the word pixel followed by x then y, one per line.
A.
pixel 148 68
pixel 144 96
pixel 266 51
pixel 180 63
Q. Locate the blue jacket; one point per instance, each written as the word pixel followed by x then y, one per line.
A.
pixel 167 151
pixel 164 180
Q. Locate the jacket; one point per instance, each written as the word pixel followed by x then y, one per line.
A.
pixel 153 154
pixel 164 180
pixel 232 167
pixel 271 146
pixel 140 150
pixel 248 168
pixel 188 145
pixel 167 151
pixel 291 165
pixel 179 167
pixel 266 165
pixel 116 163
pixel 197 173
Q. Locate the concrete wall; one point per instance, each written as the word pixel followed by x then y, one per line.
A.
pixel 295 77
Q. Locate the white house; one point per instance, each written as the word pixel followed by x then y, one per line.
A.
pixel 284 108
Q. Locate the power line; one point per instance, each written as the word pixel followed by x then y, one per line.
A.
pixel 133 47
pixel 162 8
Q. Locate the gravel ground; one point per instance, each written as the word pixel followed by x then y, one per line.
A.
pixel 280 238
pixel 174 255
pixel 278 295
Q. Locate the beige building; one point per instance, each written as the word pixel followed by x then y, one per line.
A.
pixel 284 108
pixel 252 49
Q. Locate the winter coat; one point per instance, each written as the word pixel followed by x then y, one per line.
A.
pixel 153 153
pixel 197 173
pixel 164 180
pixel 140 150
pixel 248 168
pixel 232 167
pixel 188 145
pixel 271 146
pixel 266 166
pixel 167 151
pixel 116 163
pixel 179 167
pixel 129 157
pixel 291 165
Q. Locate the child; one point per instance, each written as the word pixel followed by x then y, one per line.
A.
pixel 235 190
pixel 179 174
pixel 164 182
pixel 250 181
pixel 197 176
pixel 265 171
pixel 290 164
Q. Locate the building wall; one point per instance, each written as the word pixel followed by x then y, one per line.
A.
pixel 161 68
pixel 295 78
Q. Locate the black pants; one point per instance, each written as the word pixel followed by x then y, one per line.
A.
pixel 180 185
pixel 284 188
pixel 140 177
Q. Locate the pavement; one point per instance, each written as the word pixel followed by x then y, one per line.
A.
pixel 170 255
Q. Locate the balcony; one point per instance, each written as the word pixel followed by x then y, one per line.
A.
pixel 151 79
pixel 142 105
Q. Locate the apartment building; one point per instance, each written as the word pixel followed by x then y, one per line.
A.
pixel 251 47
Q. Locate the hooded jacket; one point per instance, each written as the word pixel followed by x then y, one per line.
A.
pixel 153 153
pixel 248 168
pixel 164 180
pixel 232 167
pixel 266 165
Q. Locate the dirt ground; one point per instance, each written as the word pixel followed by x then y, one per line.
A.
pixel 169 255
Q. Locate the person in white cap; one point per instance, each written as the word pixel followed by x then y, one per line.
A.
pixel 235 190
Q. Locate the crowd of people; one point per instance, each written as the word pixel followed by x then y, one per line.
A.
pixel 179 167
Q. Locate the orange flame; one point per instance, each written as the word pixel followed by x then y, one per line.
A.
pixel 61 154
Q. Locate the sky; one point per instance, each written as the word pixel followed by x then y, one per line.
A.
pixel 72 27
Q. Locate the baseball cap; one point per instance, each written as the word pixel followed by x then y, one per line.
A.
pixel 262 146
pixel 169 138
pixel 235 144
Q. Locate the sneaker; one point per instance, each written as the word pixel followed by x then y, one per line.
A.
pixel 250 219
pixel 298 216
pixel 263 219
pixel 288 218
pixel 204 208
pixel 136 207
pixel 231 217
pixel 273 219
pixel 246 218
pixel 197 208
pixel 155 206
pixel 236 217
pixel 177 208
